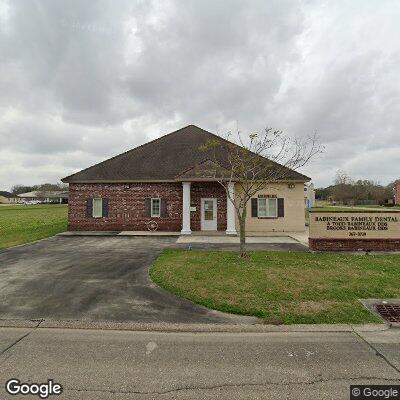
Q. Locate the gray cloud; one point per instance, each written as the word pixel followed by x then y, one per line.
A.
pixel 82 81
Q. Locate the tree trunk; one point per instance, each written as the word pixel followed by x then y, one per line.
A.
pixel 242 227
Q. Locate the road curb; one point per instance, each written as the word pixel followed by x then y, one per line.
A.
pixel 191 328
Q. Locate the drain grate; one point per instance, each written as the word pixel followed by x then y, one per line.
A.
pixel 389 312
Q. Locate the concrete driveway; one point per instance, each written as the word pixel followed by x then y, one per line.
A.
pixel 94 279
pixel 90 278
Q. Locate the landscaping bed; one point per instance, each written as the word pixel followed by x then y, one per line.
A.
pixel 281 287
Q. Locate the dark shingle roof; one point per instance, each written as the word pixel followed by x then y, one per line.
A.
pixel 163 159
pixel 6 194
pixel 207 169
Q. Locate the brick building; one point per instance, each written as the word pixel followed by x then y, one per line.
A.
pixel 397 192
pixel 166 185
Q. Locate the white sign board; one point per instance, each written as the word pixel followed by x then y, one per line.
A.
pixel 355 225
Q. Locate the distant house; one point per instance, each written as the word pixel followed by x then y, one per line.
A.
pixel 397 192
pixel 48 196
pixel 166 184
pixel 8 198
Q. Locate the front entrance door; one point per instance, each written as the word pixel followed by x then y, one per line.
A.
pixel 208 214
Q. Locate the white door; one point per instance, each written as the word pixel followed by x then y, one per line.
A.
pixel 208 214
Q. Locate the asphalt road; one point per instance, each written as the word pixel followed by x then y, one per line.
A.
pixel 93 364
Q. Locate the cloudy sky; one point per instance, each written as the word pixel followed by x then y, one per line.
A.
pixel 81 81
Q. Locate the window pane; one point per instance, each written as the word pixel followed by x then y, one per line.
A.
pixel 272 208
pixel 97 208
pixel 208 215
pixel 155 207
pixel 208 205
pixel 262 207
pixel 208 210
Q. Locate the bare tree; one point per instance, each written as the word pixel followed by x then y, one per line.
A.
pixel 343 191
pixel 261 161
pixel 342 178
pixel 362 191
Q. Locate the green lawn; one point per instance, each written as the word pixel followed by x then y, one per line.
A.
pixel 22 224
pixel 377 207
pixel 327 208
pixel 281 287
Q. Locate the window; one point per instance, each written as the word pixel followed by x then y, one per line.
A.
pixel 208 210
pixel 155 207
pixel 267 207
pixel 97 208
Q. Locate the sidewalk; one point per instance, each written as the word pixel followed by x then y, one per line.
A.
pixel 273 238
pixel 236 240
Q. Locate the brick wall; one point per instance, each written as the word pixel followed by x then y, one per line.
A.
pixel 126 205
pixel 199 190
pixel 354 244
pixel 397 192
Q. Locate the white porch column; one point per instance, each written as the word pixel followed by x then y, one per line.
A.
pixel 186 209
pixel 230 211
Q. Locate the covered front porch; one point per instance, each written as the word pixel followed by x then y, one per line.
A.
pixel 207 209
